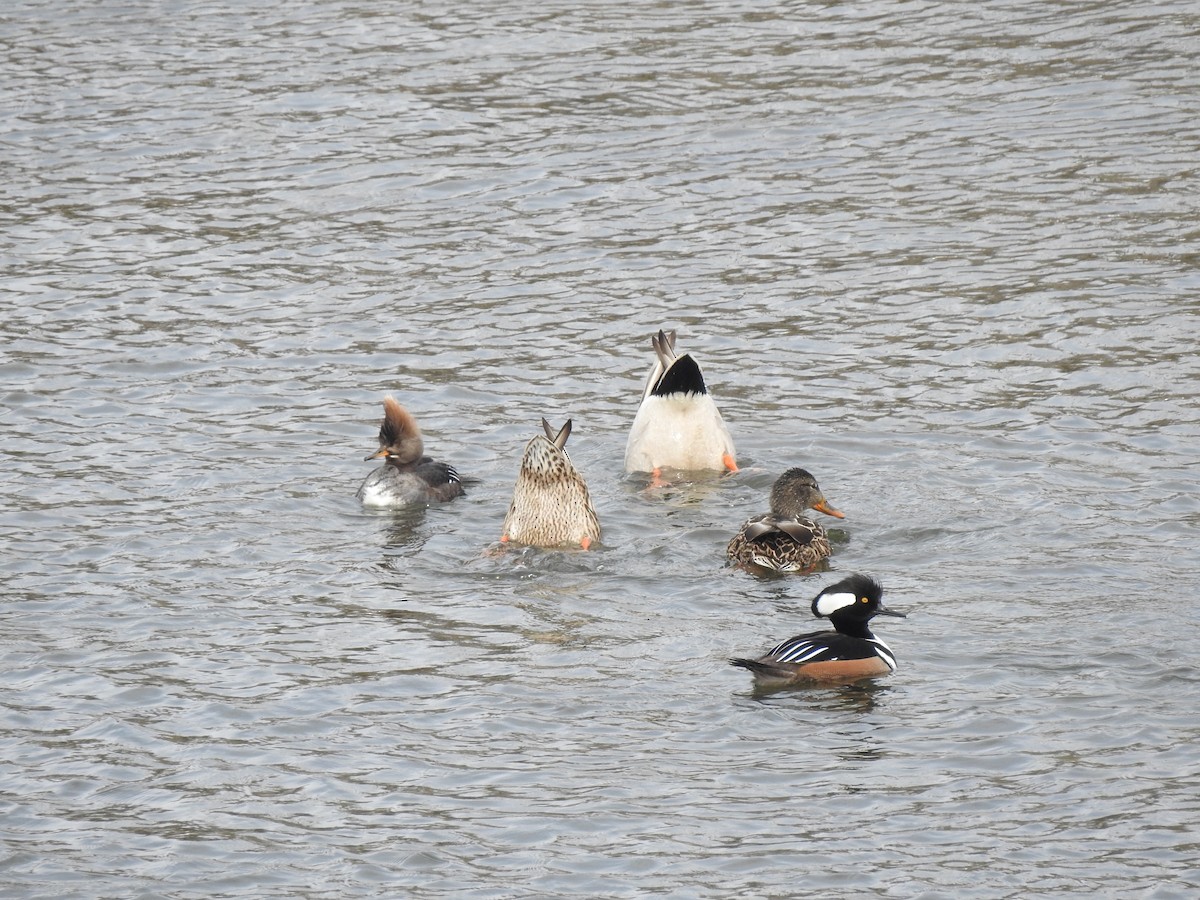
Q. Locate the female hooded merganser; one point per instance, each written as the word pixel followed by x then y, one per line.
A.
pixel 785 540
pixel 850 652
pixel 677 426
pixel 550 505
pixel 408 478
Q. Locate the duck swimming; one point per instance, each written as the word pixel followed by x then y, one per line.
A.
pixel 677 425
pixel 550 505
pixel 848 653
pixel 785 540
pixel 408 477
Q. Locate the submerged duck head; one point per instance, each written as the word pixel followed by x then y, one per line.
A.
pixel 399 437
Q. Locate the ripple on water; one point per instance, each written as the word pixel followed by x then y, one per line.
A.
pixel 938 256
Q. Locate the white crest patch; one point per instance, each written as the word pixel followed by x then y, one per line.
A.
pixel 828 604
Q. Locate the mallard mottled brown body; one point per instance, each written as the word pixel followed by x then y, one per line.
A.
pixel 785 540
pixel 551 506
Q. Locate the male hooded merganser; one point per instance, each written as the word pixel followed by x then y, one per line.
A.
pixel 677 425
pixel 408 478
pixel 785 540
pixel 850 652
pixel 550 505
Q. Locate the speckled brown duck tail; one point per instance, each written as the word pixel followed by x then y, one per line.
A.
pixel 551 506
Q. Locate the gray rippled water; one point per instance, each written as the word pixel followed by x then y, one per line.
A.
pixel 942 254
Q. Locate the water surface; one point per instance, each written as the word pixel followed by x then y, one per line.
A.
pixel 944 255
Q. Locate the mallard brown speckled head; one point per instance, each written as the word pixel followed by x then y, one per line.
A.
pixel 795 491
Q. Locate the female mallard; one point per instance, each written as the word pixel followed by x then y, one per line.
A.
pixel 550 505
pixel 785 540
pixel 408 477
pixel 677 426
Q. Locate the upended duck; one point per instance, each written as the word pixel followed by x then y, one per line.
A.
pixel 551 506
pixel 785 540
pixel 677 425
pixel 408 477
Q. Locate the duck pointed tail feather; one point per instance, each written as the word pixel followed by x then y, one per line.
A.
pixel 760 667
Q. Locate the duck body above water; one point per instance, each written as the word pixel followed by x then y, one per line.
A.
pixel 849 652
pixel 784 539
pixel 407 477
